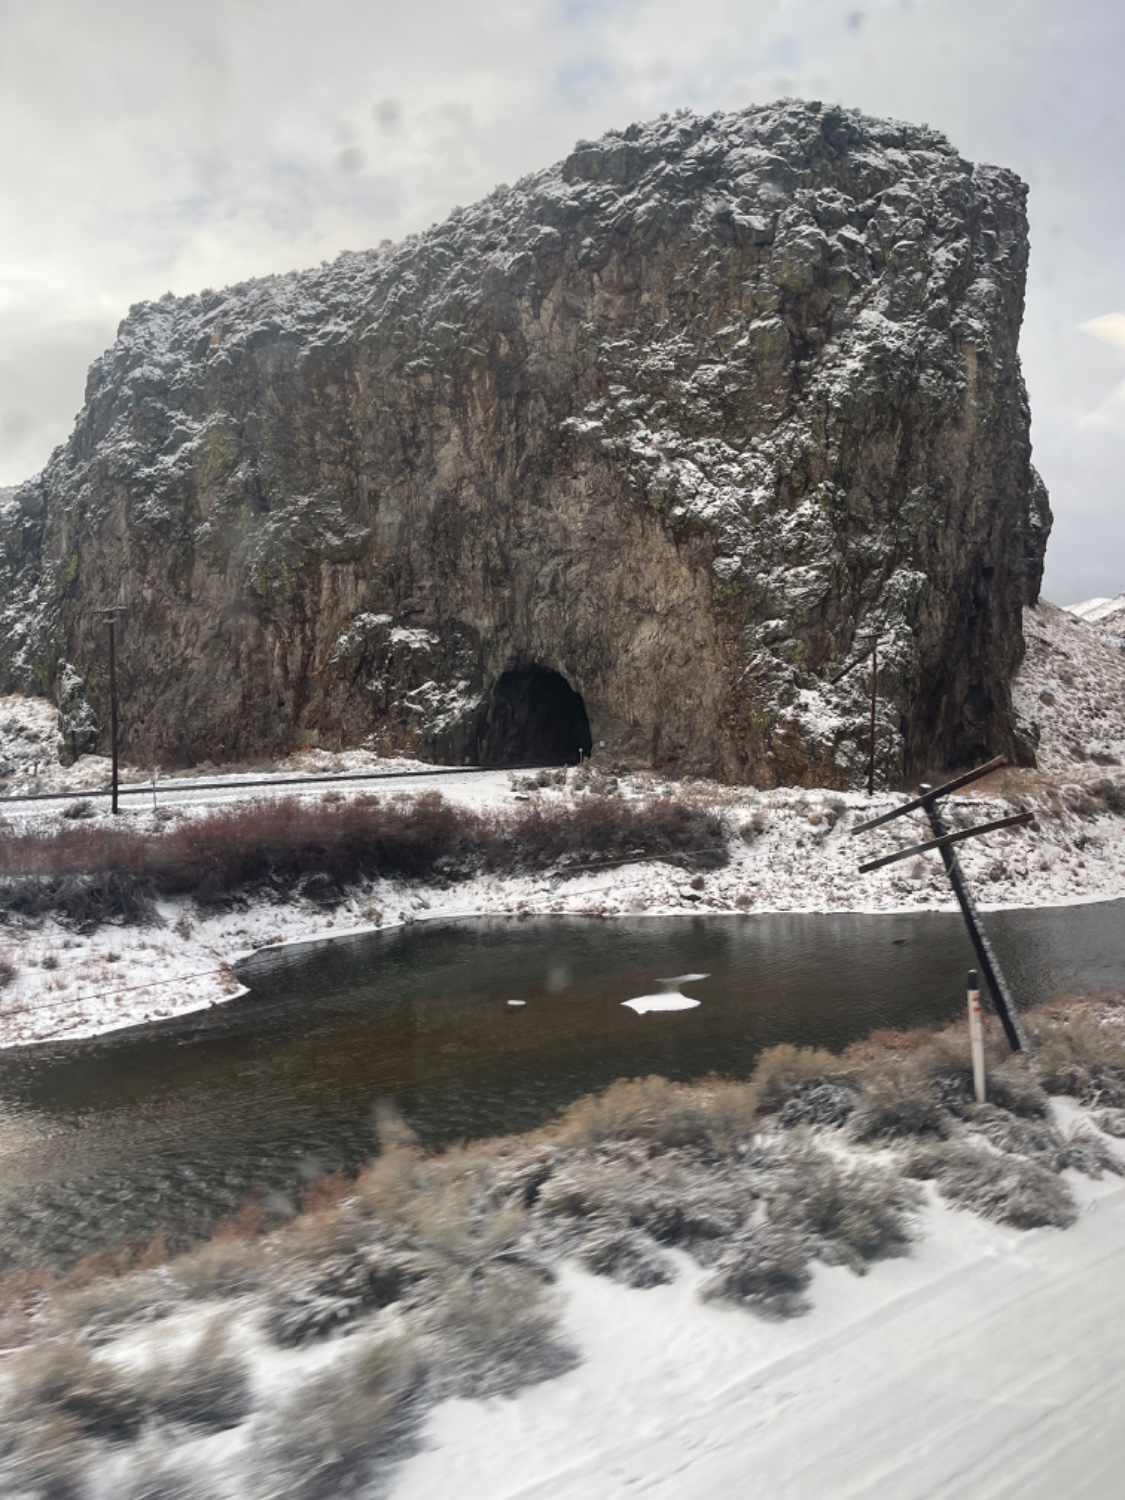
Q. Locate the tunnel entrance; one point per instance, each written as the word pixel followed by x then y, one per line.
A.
pixel 535 718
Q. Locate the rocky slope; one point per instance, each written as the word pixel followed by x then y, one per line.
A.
pixel 1071 685
pixel 685 419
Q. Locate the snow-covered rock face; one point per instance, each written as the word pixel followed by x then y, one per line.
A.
pixel 686 419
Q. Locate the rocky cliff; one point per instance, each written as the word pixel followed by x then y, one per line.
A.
pixel 684 420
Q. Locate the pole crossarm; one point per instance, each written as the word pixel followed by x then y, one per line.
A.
pixel 938 791
pixel 947 838
pixel 943 839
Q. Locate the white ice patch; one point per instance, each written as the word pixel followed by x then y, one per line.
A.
pixel 666 1001
pixel 517 1002
pixel 681 979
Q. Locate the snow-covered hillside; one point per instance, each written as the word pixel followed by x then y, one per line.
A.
pixel 1072 683
pixel 1106 614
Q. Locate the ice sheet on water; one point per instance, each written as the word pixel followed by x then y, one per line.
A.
pixel 667 1000
pixel 681 979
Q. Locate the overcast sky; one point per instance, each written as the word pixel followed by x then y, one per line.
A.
pixel 147 146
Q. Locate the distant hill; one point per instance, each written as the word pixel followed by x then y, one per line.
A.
pixel 1106 614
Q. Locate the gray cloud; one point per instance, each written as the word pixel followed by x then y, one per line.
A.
pixel 146 147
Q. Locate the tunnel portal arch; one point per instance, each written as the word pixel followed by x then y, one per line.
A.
pixel 535 718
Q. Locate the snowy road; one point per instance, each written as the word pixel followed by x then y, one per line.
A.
pixel 987 1364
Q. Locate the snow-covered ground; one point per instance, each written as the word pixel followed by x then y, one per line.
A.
pixel 987 1363
pixel 791 849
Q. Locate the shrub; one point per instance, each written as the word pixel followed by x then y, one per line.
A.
pixel 81 901
pixel 220 1268
pixel 339 1292
pixel 41 1459
pixel 1013 1086
pixel 99 1309
pixel 625 1255
pixel 208 1387
pixel 1112 1121
pixel 897 1103
pixel 494 1331
pixel 783 1071
pixel 1021 1136
pixel 332 1437
pixel 102 873
pixel 151 1475
pixel 64 1380
pixel 854 1214
pixel 675 1199
pixel 767 1271
pixel 1088 1153
pixel 995 1185
pixel 1111 794
pixel 1080 1055
pixel 829 1104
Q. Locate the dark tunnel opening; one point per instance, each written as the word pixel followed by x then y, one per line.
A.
pixel 535 718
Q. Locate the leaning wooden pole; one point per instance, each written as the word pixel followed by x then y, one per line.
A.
pixel 989 964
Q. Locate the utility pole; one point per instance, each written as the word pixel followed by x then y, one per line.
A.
pixel 986 957
pixel 871 752
pixel 111 621
pixel 942 840
pixel 839 677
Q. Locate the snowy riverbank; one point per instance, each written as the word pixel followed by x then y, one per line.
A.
pixel 790 849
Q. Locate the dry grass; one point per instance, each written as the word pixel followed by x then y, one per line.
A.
pixel 652 1109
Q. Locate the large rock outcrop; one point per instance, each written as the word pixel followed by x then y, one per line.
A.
pixel 685 419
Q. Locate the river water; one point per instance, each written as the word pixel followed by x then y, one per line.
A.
pixel 173 1124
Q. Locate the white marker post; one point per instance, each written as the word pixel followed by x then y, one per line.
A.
pixel 976 1037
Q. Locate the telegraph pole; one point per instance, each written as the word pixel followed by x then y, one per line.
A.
pixel 942 841
pixel 111 622
pixel 871 752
